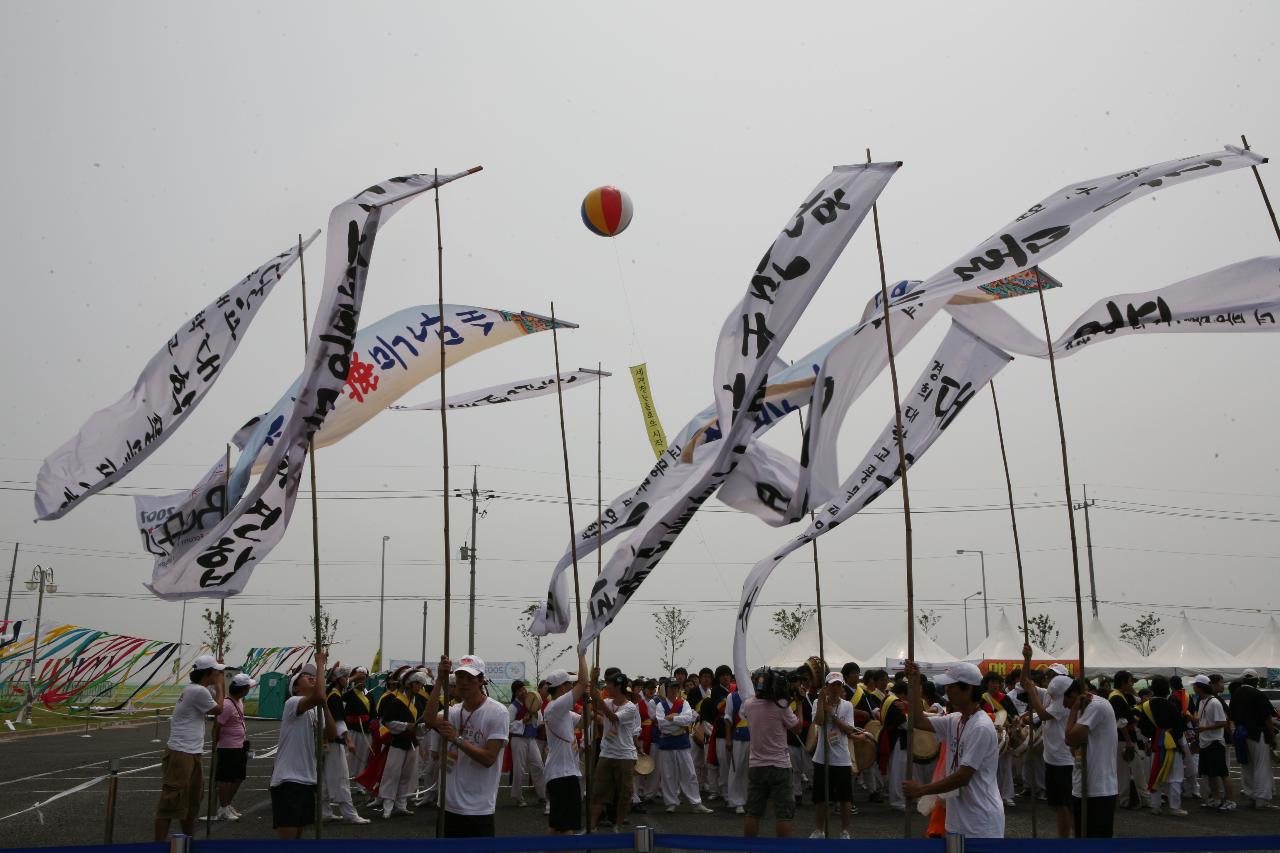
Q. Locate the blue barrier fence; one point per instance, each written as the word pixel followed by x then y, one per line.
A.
pixel 660 840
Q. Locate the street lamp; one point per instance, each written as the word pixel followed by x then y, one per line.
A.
pixel 382 597
pixel 966 619
pixel 982 560
pixel 41 580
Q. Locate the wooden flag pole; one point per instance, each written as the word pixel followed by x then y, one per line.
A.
pixel 315 544
pixel 1271 211
pixel 573 532
pixel 822 651
pixel 220 651
pixel 599 501
pixel 1017 550
pixel 906 495
pixel 444 451
pixel 1075 549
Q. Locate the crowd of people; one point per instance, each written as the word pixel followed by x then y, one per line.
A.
pixel 973 746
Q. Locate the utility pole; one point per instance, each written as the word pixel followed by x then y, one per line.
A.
pixel 471 619
pixel 1088 544
pixel 382 600
pixel 9 596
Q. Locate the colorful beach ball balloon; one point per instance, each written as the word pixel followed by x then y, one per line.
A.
pixel 606 211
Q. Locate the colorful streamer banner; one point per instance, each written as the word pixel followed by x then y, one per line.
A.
pixel 116 439
pixel 648 411
pixel 510 392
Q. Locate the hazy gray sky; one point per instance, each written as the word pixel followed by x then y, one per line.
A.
pixel 155 154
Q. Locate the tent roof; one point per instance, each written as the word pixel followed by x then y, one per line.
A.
pixel 1188 652
pixel 1005 643
pixel 1104 654
pixel 926 650
pixel 1264 651
pixel 805 646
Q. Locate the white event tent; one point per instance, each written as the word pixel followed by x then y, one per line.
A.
pixel 805 646
pixel 1005 643
pixel 926 651
pixel 1105 655
pixel 1188 652
pixel 1264 651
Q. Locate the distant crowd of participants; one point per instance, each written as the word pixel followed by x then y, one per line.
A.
pixel 980 741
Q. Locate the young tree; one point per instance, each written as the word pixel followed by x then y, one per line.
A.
pixel 217 631
pixel 328 629
pixel 1044 633
pixel 929 620
pixel 1143 633
pixel 539 648
pixel 787 623
pixel 671 625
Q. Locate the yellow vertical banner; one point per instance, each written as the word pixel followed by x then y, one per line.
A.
pixel 652 426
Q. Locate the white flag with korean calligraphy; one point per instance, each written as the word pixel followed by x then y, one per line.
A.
pixel 220 563
pixel 116 439
pixel 781 287
pixel 510 392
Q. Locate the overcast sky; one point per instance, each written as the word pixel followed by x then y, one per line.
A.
pixel 154 154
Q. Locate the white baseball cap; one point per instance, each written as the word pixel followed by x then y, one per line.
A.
pixel 1058 668
pixel 243 679
pixel 207 662
pixel 470 664
pixel 557 677
pixel 960 673
pixel 1249 673
pixel 834 678
pixel 420 676
pixel 1059 686
pixel 307 669
pixel 1201 679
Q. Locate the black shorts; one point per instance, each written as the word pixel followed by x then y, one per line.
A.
pixel 293 804
pixel 836 786
pixel 1102 817
pixel 1213 760
pixel 770 784
pixel 232 764
pixel 1057 784
pixel 468 825
pixel 564 795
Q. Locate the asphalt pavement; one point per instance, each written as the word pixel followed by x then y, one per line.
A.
pixel 34 768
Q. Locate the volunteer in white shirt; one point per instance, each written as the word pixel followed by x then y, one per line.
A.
pixel 181 776
pixel 1092 724
pixel 832 764
pixel 613 776
pixel 474 734
pixel 1059 764
pixel 974 807
pixel 1211 730
pixel 564 791
pixel 293 779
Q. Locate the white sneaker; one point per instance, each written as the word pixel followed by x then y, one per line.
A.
pixel 671 809
pixel 546 808
pixel 234 812
pixel 740 810
pixel 356 820
pixel 1010 803
pixel 817 833
pixel 1210 804
pixel 699 808
pixel 1178 812
pixel 844 833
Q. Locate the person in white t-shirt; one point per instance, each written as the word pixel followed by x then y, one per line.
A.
pixel 564 791
pixel 1059 764
pixel 1211 730
pixel 181 776
pixel 473 735
pixel 1092 725
pixel 293 778
pixel 613 777
pixel 832 764
pixel 970 787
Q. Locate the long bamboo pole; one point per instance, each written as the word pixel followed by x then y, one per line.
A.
pixel 906 495
pixel 822 650
pixel 220 651
pixel 1075 549
pixel 573 530
pixel 444 451
pixel 1262 188
pixel 315 542
pixel 1017 551
pixel 599 494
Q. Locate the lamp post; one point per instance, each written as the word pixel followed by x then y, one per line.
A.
pixel 382 597
pixel 41 580
pixel 982 561
pixel 965 603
